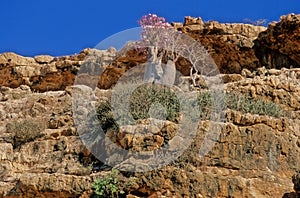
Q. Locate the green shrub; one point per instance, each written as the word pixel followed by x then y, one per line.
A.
pixel 167 106
pixel 239 102
pixel 25 130
pixel 147 96
pixel 108 186
pixel 247 104
pixel 106 117
pixel 204 102
pixel 141 102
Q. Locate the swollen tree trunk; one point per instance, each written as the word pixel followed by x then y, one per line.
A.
pixel 169 74
pixel 156 72
pixel 153 69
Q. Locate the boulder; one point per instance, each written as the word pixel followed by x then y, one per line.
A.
pixel 43 59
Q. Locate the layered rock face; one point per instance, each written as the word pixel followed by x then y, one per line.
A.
pixel 230 45
pixel 238 46
pixel 255 155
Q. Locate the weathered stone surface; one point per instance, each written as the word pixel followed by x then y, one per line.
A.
pixel 279 45
pixel 230 45
pixel 120 66
pixel 145 137
pixel 6 151
pixel 296 181
pixel 46 73
pixel 50 165
pixel 193 21
pixel 12 59
pixel 43 58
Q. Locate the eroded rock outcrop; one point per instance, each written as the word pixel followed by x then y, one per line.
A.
pixel 279 45
pixel 230 45
pixel 46 73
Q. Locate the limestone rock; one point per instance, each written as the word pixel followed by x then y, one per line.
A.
pixel 6 151
pixel 280 86
pixel 43 59
pixel 12 59
pixel 45 73
pixel 192 21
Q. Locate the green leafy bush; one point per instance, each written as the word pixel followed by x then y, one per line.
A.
pixel 25 130
pixel 108 186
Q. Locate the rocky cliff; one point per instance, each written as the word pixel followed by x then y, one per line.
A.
pixel 257 153
pixel 233 47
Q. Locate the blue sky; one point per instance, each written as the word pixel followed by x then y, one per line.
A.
pixel 62 27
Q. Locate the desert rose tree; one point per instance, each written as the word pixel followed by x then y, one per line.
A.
pixel 160 39
pixel 157 38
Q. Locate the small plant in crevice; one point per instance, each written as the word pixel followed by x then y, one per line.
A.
pixel 106 117
pixel 25 130
pixel 108 186
pixel 240 102
pixel 246 104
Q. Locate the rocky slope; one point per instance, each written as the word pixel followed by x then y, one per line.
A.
pixel 256 155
